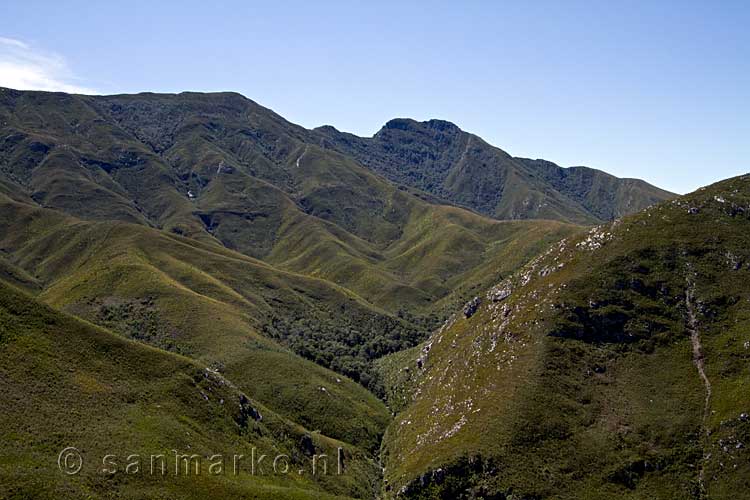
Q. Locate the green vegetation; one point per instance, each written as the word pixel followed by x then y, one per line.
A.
pixel 439 158
pixel 221 170
pixel 197 299
pixel 66 383
pixel 195 270
pixel 578 377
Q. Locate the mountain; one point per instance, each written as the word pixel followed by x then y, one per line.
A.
pixel 220 168
pixel 441 159
pixel 194 272
pixel 615 365
pixel 203 235
pixel 210 304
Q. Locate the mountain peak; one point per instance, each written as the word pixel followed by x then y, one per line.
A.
pixel 328 129
pixel 412 125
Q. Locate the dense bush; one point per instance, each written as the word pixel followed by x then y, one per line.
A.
pixel 350 340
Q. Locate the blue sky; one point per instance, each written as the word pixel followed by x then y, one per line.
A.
pixel 658 90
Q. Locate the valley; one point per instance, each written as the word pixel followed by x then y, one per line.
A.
pixel 193 273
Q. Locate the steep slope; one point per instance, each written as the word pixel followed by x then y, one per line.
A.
pixel 221 168
pixel 213 305
pixel 208 226
pixel 439 158
pixel 616 365
pixel 605 196
pixel 65 383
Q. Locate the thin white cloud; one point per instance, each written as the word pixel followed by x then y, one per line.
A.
pixel 23 67
pixel 13 43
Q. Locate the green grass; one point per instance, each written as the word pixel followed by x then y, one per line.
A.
pixel 586 386
pixel 289 260
pixel 64 383
pixel 263 187
pixel 211 303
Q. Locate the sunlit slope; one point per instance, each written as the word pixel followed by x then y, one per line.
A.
pixel 219 167
pixel 64 382
pixel 200 300
pixel 582 375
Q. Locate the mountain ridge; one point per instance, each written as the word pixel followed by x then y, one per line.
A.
pixel 207 229
pixel 438 157
pixel 435 158
pixel 219 167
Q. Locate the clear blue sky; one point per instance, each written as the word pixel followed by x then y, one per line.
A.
pixel 656 89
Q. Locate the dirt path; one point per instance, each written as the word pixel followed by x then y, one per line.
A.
pixel 699 360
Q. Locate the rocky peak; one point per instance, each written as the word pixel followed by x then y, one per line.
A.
pixel 429 126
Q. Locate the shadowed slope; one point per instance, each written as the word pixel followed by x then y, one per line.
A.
pixel 439 158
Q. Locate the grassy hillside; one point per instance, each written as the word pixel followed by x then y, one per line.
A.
pixel 221 168
pixel 613 366
pixel 64 382
pixel 439 158
pixel 205 302
pixel 172 267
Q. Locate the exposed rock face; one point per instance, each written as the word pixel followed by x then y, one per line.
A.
pixel 247 412
pixel 500 293
pixel 471 307
pixel 306 445
pixel 422 359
